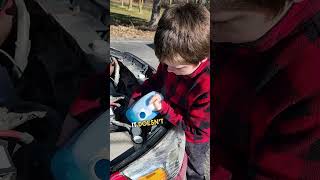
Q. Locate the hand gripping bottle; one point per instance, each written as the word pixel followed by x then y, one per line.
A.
pixel 142 110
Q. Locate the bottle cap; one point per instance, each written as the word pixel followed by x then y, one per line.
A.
pixel 137 139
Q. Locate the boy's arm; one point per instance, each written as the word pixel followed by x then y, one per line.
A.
pixel 292 140
pixel 198 115
pixel 293 152
pixel 155 82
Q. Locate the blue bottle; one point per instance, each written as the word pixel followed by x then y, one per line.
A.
pixel 142 110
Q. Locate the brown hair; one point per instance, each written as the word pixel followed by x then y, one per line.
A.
pixel 183 34
pixel 274 6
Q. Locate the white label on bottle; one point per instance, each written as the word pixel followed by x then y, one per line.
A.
pixel 151 107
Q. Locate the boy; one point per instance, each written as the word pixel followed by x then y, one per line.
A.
pixel 267 93
pixel 182 44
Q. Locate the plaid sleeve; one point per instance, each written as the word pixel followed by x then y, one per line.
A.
pixel 291 149
pixel 280 126
pixel 294 148
pixel 155 82
pixel 198 117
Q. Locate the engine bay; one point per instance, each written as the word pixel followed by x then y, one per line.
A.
pixel 127 73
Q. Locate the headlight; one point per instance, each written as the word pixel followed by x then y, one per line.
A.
pixel 155 175
pixel 164 160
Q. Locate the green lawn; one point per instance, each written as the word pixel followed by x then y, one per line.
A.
pixel 122 16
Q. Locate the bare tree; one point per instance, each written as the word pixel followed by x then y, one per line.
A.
pixel 140 6
pixel 155 15
pixel 130 5
pixel 203 2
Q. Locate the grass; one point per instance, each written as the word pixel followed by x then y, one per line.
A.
pixel 122 16
pixel 131 24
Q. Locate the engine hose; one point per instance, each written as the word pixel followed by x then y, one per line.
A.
pixel 116 73
pixel 127 126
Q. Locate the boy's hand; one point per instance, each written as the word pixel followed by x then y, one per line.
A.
pixel 156 101
pixel 131 101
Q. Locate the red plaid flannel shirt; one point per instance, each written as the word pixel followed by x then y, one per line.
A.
pixel 186 100
pixel 266 121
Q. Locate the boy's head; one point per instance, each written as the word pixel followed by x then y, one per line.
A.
pixel 240 21
pixel 182 39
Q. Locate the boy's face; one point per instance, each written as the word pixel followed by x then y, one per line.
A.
pixel 242 25
pixel 181 69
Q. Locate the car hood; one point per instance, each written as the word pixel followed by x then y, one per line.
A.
pixel 85 20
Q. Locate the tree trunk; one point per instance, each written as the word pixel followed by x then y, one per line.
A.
pixel 204 2
pixel 170 2
pixel 122 3
pixel 140 6
pixel 155 15
pixel 130 5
